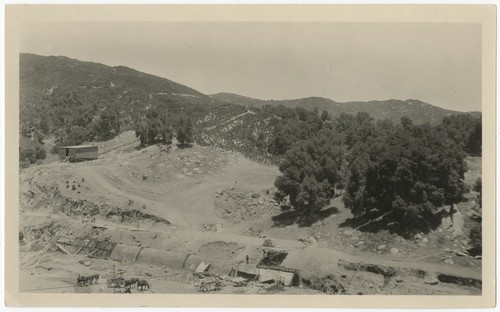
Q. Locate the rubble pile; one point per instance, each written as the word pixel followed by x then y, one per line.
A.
pixel 319 231
pixel 211 227
pixel 328 284
pixel 253 232
pixel 236 205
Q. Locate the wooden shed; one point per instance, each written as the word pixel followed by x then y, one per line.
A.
pixel 78 153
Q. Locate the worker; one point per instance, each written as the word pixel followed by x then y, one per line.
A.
pixel 247 258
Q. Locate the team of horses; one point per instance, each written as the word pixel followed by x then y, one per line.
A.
pixel 82 280
pixel 139 284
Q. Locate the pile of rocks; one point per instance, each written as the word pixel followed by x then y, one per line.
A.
pixel 254 232
pixel 211 227
pixel 319 232
pixel 235 205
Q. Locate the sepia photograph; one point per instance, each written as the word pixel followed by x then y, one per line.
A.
pixel 234 157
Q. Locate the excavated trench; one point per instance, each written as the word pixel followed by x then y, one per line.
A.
pixel 40 197
pixel 388 272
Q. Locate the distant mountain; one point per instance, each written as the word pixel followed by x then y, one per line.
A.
pixel 41 76
pixel 420 112
pixel 238 99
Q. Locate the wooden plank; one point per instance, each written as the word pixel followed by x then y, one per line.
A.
pixel 62 248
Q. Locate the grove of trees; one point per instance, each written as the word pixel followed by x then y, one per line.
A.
pixel 403 171
pixel 158 124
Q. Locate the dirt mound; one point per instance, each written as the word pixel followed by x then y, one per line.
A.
pixel 85 208
pixel 134 216
pixel 238 205
pixel 328 284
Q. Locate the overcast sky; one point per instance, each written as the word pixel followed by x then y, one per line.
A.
pixel 436 63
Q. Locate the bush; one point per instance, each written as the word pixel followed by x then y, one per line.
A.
pixel 23 164
pixel 31 150
pixel 476 237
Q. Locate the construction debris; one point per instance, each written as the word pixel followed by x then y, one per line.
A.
pixel 236 205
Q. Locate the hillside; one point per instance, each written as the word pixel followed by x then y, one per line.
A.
pixel 43 75
pixel 44 80
pixel 106 101
pixel 420 112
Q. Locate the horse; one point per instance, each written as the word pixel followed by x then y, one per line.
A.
pixel 142 285
pixel 95 278
pixel 132 282
pixel 87 280
pixel 127 288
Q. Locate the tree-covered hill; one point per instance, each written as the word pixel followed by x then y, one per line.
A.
pixel 420 112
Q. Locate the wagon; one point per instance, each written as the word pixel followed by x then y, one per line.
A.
pixel 209 285
pixel 239 281
pixel 116 282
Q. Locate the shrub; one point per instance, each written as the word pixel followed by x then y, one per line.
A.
pixel 476 237
pixel 23 164
pixel 31 150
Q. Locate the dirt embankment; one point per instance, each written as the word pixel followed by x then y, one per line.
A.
pixel 43 196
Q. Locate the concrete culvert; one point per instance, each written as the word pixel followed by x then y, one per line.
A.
pixel 124 253
pixel 157 257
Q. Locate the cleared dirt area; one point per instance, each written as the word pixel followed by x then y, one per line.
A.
pixel 218 206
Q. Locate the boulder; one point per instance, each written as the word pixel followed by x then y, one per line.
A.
pixel 449 261
pixel 394 251
pixel 360 243
pixel 381 247
pixel 349 233
pixel 431 280
pixel 458 224
pixel 446 223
